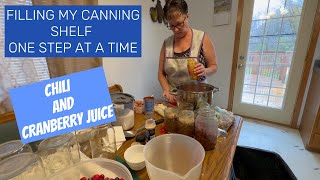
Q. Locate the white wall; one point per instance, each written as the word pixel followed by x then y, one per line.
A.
pixel 139 76
pixel 201 13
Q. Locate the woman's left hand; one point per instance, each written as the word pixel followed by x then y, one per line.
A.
pixel 200 70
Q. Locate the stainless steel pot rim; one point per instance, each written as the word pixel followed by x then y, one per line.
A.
pixel 121 98
pixel 215 89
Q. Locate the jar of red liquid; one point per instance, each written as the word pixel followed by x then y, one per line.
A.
pixel 206 128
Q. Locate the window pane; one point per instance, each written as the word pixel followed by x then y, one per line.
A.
pixel 260 9
pixel 255 47
pixel 280 76
pixel 247 98
pixel 270 43
pixel 262 90
pixel 275 7
pixel 286 47
pixel 265 74
pixel 268 58
pixel 250 76
pixel 290 25
pixel 293 7
pixel 256 40
pixel 277 91
pixel 253 58
pixel 273 27
pixel 257 28
pixel 261 100
pixel 284 58
pixel 249 89
pixel 287 39
pixel 270 47
pixel 275 102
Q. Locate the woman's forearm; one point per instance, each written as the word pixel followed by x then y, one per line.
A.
pixel 211 70
pixel 163 82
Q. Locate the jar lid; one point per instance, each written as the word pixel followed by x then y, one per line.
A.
pixel 17 164
pixel 150 124
pixel 10 147
pixel 140 138
pixel 207 111
pixel 55 142
pixel 121 98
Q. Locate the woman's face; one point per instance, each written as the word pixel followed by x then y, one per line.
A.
pixel 179 25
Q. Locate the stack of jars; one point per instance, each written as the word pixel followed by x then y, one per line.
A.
pixel 17 161
pixel 198 122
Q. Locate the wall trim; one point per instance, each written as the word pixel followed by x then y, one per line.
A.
pixel 306 69
pixel 235 54
pixel 6 117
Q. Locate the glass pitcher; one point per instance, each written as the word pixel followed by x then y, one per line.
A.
pixel 103 142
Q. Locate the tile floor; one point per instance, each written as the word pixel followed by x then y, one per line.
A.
pixel 284 141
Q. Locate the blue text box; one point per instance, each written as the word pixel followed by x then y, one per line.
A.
pixel 42 113
pixel 73 31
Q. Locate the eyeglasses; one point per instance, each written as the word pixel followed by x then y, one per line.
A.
pixel 179 25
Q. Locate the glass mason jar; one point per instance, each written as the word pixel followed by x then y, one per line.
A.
pixel 185 123
pixel 83 137
pixel 55 153
pixel 74 148
pixel 22 166
pixel 206 128
pixel 12 148
pixel 185 106
pixel 103 142
pixel 171 119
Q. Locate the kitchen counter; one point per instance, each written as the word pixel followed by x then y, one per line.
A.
pixel 217 162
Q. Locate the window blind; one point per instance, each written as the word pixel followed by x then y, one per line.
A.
pixel 15 72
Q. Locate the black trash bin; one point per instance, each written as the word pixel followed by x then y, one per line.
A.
pixel 250 163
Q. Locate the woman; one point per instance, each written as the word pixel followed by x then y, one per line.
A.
pixel 186 44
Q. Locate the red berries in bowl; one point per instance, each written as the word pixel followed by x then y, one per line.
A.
pixel 100 177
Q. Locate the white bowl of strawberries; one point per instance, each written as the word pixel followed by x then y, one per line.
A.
pixel 94 169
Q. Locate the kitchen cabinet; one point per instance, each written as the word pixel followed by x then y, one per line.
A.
pixel 310 123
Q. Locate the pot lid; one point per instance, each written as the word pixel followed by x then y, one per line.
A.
pixel 121 98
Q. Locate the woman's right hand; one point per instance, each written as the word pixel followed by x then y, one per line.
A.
pixel 168 96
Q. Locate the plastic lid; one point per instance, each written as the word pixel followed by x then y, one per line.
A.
pixel 121 98
pixel 150 124
pixel 17 164
pixel 55 142
pixel 140 138
pixel 10 148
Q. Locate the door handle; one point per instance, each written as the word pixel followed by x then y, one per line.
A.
pixel 241 57
pixel 240 66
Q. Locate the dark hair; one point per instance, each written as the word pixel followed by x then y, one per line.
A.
pixel 174 7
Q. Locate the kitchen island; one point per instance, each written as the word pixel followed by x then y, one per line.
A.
pixel 217 162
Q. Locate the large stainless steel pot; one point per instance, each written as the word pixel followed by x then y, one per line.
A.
pixel 195 92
